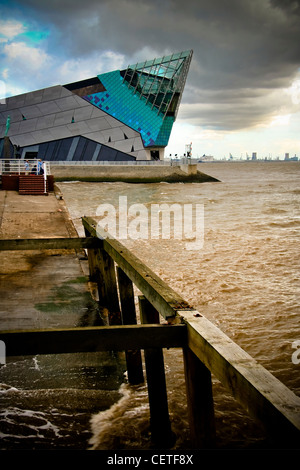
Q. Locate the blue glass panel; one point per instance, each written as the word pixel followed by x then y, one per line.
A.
pixel 120 102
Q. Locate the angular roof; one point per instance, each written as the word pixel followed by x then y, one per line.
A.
pixel 160 80
pixel 125 111
pixel 145 96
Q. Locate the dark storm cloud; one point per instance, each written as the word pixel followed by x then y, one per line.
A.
pixel 243 49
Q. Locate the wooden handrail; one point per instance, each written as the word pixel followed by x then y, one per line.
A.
pixel 166 301
pixel 49 243
pixel 257 390
pixel 92 339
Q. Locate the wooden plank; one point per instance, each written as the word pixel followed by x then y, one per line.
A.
pixel 133 356
pixel 91 339
pixel 102 271
pixel 107 269
pixel 49 243
pixel 126 298
pixel 266 398
pixel 91 253
pixel 256 389
pixel 199 401
pixel 165 300
pixel 160 425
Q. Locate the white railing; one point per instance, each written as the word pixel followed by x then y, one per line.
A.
pixel 19 167
pixel 171 162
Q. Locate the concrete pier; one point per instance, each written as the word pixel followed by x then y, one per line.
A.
pixel 130 173
pixel 49 289
pixel 37 288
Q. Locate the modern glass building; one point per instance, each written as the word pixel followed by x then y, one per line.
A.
pixel 120 115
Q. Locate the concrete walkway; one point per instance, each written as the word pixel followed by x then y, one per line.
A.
pixel 40 289
pixel 49 289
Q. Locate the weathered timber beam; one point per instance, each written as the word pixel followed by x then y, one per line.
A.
pixel 160 424
pixel 91 339
pixel 160 295
pixel 256 389
pixel 49 243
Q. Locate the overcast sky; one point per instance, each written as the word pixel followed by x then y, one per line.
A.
pixel 243 90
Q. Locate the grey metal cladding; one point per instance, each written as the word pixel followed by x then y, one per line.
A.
pixel 55 114
pixel 82 114
pixel 32 111
pixel 42 135
pixel 67 102
pixel 96 136
pixel 98 124
pixel 16 101
pixel 14 115
pixel 124 145
pixel 63 117
pixel 45 121
pixel 60 132
pixel 53 93
pixel 117 134
pixel 138 144
pixel 65 92
pixel 25 139
pixel 33 97
pixel 14 128
pixel 3 104
pixel 82 103
pixel 114 122
pixel 49 107
pixel 106 134
pixel 129 132
pixel 2 119
pixel 97 112
pixel 28 125
pixel 140 155
pixel 78 128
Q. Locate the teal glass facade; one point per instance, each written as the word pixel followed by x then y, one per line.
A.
pixel 121 103
pixel 146 96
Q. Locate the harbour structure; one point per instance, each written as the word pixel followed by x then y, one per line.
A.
pixel 119 115
pixel 118 277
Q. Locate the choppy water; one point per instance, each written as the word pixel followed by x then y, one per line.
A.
pixel 245 279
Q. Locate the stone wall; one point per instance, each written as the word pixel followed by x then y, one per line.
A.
pixel 129 173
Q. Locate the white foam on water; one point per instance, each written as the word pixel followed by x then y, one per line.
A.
pixel 5 389
pixel 124 423
pixel 36 422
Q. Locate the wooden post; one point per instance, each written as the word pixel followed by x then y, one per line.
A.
pixel 102 271
pixel 160 425
pixel 91 260
pixel 200 401
pixel 97 279
pixel 107 267
pixel 133 357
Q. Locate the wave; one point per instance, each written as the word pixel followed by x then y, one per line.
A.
pixel 275 211
pixel 5 389
pixel 125 424
pixel 35 424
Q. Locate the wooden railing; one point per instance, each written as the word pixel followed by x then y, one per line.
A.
pixel 206 349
